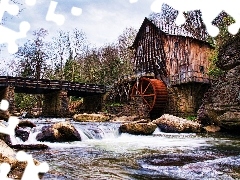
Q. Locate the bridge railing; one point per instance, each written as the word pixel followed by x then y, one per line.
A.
pixel 23 82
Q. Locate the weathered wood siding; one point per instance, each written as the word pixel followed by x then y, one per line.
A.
pixel 149 51
pixel 186 59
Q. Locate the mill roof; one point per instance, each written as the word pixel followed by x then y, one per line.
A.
pixel 171 29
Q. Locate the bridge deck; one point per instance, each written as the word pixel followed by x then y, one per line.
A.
pixel 34 86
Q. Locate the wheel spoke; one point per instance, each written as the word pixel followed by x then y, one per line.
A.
pixel 148 95
pixel 137 92
pixel 146 88
pixel 150 106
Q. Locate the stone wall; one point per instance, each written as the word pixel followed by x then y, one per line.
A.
pixel 92 103
pixel 55 104
pixel 185 99
pixel 221 103
pixel 135 107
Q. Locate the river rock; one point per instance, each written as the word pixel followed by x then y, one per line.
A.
pixel 90 117
pixel 22 134
pixel 141 127
pixel 8 155
pixel 59 132
pixel 221 104
pixel 29 146
pixel 173 124
pixel 230 120
pixel 124 119
pixel 212 128
pixel 4 115
pixel 22 131
pixel 26 123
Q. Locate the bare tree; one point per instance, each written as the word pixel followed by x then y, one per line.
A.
pixel 61 50
pixel 125 41
pixel 32 56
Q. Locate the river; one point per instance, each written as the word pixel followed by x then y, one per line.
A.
pixel 103 154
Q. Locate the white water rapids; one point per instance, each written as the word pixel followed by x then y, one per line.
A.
pixel 103 153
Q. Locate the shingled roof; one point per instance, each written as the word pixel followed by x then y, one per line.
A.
pixel 193 27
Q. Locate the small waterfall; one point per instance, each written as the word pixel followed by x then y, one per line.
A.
pixel 98 130
pixel 31 139
pixel 86 130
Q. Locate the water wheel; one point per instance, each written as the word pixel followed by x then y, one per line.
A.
pixel 153 93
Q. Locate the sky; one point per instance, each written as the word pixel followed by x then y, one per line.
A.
pixel 101 20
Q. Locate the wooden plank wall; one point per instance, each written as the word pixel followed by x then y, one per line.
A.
pixel 186 58
pixel 149 51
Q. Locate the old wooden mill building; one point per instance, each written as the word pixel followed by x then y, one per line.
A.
pixel 171 65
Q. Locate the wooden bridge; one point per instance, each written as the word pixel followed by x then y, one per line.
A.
pixel 43 86
pixel 56 93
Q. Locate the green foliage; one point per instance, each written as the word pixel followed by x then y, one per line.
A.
pixel 25 101
pixel 74 98
pixel 191 118
pixel 214 71
pixel 222 22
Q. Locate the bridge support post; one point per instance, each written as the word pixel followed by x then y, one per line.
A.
pixel 8 94
pixel 55 104
pixel 93 103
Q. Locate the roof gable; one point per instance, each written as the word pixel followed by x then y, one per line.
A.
pixel 167 29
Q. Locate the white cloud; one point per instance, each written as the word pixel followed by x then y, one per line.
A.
pixel 102 20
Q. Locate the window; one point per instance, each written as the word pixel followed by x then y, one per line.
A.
pixel 157 44
pixel 147 29
pixel 201 68
pixel 139 51
pixel 176 44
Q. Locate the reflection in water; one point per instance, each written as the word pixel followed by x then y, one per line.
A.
pixel 105 154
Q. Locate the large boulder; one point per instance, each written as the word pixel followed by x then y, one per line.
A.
pixel 26 123
pixel 141 127
pixel 228 56
pixel 22 129
pixel 221 104
pixel 230 121
pixel 90 117
pixel 173 124
pixel 59 132
pixel 22 134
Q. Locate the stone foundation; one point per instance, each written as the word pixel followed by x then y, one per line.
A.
pixel 135 107
pixel 55 104
pixel 185 99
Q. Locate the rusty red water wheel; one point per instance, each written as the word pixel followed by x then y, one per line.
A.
pixel 153 93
